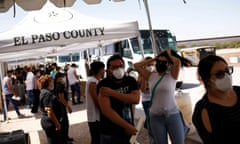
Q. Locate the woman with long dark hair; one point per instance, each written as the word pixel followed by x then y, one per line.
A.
pixel 164 114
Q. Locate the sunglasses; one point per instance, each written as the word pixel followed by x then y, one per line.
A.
pixel 221 74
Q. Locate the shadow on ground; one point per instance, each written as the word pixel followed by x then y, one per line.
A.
pixel 79 132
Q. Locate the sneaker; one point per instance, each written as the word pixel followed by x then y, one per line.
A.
pixel 17 98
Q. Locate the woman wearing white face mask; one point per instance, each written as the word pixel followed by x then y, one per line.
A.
pixel 146 95
pixel 216 115
pixel 164 115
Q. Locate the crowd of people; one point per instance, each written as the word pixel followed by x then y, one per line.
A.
pixel 45 91
pixel 111 99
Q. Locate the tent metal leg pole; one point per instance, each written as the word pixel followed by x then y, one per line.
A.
pixel 150 28
pixel 140 45
pixel 3 97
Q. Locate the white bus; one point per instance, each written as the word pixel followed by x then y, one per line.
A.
pixel 129 49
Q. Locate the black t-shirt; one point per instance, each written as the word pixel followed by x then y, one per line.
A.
pixel 225 121
pixel 47 99
pixel 60 88
pixel 124 110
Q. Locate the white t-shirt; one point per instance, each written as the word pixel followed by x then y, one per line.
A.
pixel 29 81
pixel 164 96
pixel 71 77
pixel 93 113
pixel 146 96
pixel 5 87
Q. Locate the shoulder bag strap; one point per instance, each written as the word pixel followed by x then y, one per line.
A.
pixel 154 88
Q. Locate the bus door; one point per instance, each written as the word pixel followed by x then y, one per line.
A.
pixel 123 48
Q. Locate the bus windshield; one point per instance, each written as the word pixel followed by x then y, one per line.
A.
pixel 164 39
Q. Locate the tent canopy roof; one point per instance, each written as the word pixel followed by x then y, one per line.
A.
pixel 60 28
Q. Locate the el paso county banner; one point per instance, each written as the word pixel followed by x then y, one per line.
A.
pixel 56 36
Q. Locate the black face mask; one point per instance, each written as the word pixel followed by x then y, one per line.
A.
pixel 161 66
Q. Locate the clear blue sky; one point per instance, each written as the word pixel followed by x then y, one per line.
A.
pixel 195 19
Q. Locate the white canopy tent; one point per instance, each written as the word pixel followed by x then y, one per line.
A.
pixel 58 28
pixel 55 30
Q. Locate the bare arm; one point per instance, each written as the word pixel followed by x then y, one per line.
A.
pixel 75 74
pixel 140 68
pixel 132 98
pixel 52 116
pixel 93 93
pixel 143 83
pixel 104 103
pixel 176 65
pixel 64 102
pixel 39 84
pixel 10 87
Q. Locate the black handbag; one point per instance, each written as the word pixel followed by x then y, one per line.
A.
pixel 14 137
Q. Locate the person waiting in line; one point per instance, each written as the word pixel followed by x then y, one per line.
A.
pixel 65 81
pixel 146 95
pixel 59 91
pixel 52 111
pixel 93 115
pixel 36 90
pixel 53 71
pixel 73 79
pixel 117 92
pixel 29 87
pixel 164 114
pixel 216 115
pixel 10 94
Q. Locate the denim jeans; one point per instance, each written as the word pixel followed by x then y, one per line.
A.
pixel 75 88
pixel 146 106
pixel 30 98
pixel 14 102
pixel 162 125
